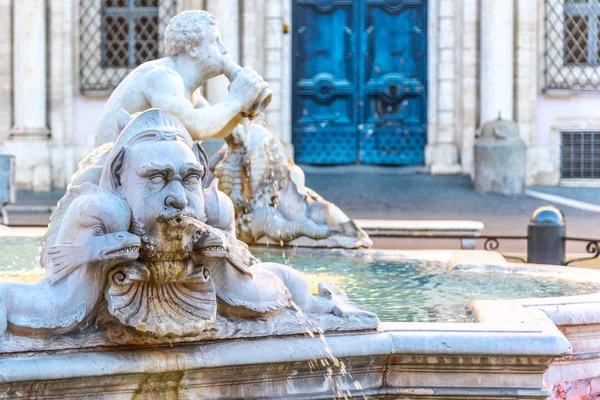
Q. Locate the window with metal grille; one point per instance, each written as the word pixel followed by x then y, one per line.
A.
pixel 572 57
pixel 580 155
pixel 118 35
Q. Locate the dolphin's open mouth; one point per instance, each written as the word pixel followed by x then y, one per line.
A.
pixel 129 249
pixel 127 252
pixel 213 250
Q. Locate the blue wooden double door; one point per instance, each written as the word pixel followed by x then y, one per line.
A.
pixel 359 81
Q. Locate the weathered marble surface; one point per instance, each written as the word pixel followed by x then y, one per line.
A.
pixel 576 375
pixel 194 54
pixel 271 202
pixel 399 360
pixel 91 240
pixel 500 159
pixel 107 332
pixel 146 231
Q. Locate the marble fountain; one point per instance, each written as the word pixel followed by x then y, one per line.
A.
pixel 146 286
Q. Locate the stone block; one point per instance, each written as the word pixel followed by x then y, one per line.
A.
pixel 273 34
pixel 447 8
pixel 446 33
pixel 32 163
pixel 7 179
pixel 277 94
pixel 595 386
pixel 273 56
pixel 446 93
pixel 577 388
pixel 500 166
pixel 273 9
pixel 446 100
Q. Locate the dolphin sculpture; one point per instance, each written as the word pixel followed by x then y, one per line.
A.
pixel 91 240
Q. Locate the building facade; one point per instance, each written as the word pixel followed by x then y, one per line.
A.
pixel 387 82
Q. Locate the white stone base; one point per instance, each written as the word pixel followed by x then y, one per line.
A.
pixel 399 360
pixel 575 376
pixel 503 356
pixel 107 332
pixel 32 160
pixel 442 159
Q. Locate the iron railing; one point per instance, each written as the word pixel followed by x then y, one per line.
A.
pixel 580 155
pixel 492 242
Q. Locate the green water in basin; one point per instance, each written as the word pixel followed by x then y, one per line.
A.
pixel 411 291
pixel 423 291
pixel 20 258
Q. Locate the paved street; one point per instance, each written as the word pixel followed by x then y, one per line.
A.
pixel 392 193
pixel 386 194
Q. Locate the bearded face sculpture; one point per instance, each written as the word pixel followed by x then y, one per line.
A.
pixel 165 197
pixel 161 173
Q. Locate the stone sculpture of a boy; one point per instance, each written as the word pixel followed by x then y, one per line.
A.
pixel 194 54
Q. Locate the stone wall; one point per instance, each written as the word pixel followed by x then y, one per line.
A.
pixel 255 36
pixel 5 69
pixel 577 376
pixel 60 96
pixel 443 87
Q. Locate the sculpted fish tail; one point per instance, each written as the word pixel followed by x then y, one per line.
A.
pixel 66 258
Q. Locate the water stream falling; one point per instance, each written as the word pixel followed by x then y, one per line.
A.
pixel 331 363
pixel 334 367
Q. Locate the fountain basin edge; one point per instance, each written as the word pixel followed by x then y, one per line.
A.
pixel 513 348
pixel 416 360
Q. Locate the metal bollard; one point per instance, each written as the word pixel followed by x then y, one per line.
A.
pixel 545 237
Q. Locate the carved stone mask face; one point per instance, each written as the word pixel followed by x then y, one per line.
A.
pixel 162 182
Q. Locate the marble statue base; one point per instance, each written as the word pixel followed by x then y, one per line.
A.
pixel 108 332
pixel 332 242
pixel 398 360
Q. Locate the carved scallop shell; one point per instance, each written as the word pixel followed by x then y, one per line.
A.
pixel 180 308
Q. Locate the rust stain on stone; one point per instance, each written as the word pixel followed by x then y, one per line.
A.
pixel 159 386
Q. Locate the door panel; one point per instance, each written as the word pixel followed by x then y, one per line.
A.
pixel 392 129
pixel 324 112
pixel 359 78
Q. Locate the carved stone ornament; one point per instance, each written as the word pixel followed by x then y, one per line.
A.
pixel 270 199
pixel 90 240
pixel 162 248
pixel 142 250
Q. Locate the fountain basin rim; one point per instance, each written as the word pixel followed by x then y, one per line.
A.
pixel 562 311
pixel 537 336
pixel 459 260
